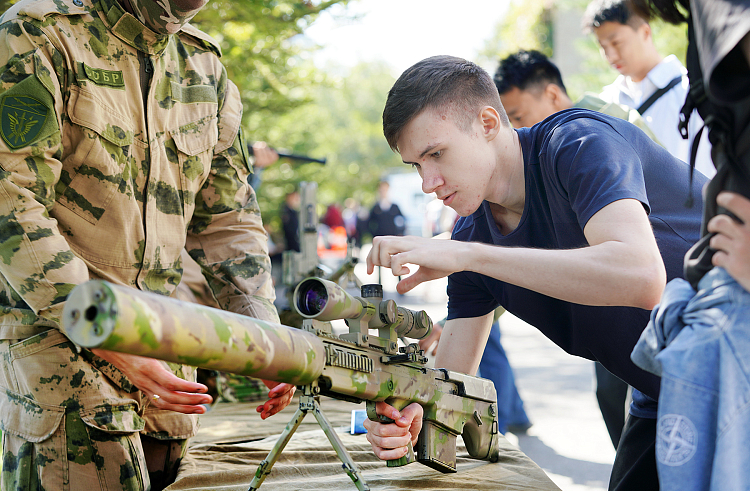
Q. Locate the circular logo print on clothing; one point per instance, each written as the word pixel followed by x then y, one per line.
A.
pixel 675 439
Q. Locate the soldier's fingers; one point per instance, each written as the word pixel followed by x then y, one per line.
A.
pixel 167 397
pixel 183 408
pixel 180 402
pixel 282 390
pixel 172 382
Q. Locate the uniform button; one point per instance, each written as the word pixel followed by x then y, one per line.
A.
pixel 78 3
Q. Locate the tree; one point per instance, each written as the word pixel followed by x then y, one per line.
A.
pixel 257 49
pixel 344 124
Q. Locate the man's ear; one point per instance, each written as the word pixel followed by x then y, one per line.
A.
pixel 644 30
pixel 490 120
pixel 557 97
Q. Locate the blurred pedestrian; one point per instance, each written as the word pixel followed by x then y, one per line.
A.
pixel 290 220
pixel 385 216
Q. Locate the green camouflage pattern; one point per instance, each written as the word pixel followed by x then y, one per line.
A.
pixel 95 192
pixel 62 419
pixel 354 366
pixel 163 16
pixel 113 317
pixel 101 180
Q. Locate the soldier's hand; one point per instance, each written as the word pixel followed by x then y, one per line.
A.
pixel 390 440
pixel 433 339
pixel 279 397
pixel 165 389
pixel 732 239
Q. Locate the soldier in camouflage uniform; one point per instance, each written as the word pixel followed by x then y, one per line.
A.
pixel 120 144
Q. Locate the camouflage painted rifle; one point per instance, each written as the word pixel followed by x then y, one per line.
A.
pixel 355 366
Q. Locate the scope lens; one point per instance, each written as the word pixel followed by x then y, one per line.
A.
pixel 312 298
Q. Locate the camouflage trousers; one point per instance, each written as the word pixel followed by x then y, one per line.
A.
pixel 67 425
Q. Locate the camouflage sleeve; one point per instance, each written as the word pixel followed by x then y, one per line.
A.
pixel 37 266
pixel 226 235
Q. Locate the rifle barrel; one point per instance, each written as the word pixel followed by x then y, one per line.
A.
pixel 102 315
pixel 283 153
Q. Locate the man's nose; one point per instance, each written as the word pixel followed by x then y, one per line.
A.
pixel 610 54
pixel 431 180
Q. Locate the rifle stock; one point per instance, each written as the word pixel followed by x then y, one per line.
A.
pixel 355 366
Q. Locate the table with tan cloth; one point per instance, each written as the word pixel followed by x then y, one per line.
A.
pixel 233 440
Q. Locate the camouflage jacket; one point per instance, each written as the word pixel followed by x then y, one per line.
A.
pixel 99 181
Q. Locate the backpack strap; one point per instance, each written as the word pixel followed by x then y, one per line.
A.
pixel 656 95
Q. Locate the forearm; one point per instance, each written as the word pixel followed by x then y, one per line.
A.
pixel 462 344
pixel 610 273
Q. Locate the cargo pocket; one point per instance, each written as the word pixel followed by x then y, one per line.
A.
pixel 115 447
pixel 33 443
pixel 93 172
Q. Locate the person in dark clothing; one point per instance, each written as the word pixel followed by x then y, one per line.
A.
pixel 385 217
pixel 290 221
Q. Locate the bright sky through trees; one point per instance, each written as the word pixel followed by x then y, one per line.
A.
pixel 403 32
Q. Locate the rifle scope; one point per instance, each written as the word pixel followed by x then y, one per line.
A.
pixel 315 298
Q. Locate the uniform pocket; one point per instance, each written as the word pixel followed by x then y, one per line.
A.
pixel 26 418
pixel 193 151
pixel 33 443
pixel 92 173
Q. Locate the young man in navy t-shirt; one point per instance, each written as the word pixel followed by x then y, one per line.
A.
pixel 573 225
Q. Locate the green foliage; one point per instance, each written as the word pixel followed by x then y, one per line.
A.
pixel 269 69
pixel 344 124
pixel 526 25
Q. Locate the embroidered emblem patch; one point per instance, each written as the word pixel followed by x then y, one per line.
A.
pixel 675 439
pixel 22 119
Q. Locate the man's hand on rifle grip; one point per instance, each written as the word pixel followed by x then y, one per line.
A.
pixel 390 441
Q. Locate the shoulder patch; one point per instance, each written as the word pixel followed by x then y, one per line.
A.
pixel 26 114
pixel 205 39
pixel 43 8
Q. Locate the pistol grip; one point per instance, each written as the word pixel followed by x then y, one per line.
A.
pixel 406 459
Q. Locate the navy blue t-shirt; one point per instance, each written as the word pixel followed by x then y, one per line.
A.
pixel 576 162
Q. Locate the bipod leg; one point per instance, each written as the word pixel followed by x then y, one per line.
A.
pixel 347 462
pixel 264 469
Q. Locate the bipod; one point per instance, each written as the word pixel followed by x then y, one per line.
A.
pixel 307 403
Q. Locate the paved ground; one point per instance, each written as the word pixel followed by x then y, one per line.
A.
pixel 568 438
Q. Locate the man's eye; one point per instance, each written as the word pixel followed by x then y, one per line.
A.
pixel 437 154
pixel 415 166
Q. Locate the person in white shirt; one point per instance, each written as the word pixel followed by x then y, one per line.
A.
pixel 653 85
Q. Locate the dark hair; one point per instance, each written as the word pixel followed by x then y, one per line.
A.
pixel 672 11
pixel 442 83
pixel 600 11
pixel 526 70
